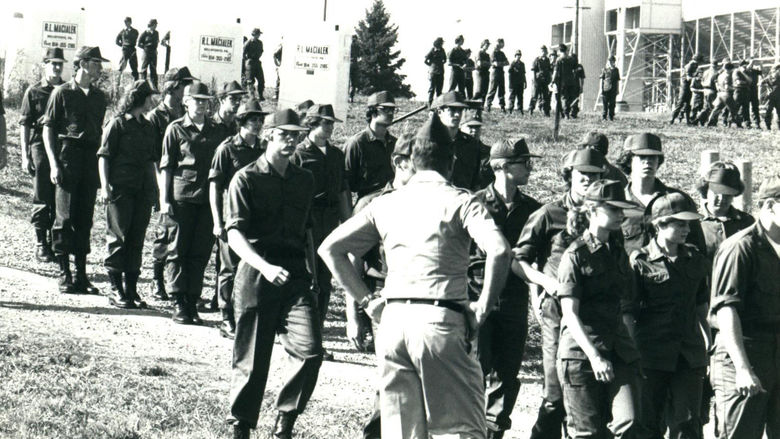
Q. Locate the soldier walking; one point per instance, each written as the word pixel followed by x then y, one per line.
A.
pixel 483 72
pixel 725 97
pixel 683 107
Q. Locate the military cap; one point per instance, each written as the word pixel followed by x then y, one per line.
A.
pixel 473 120
pixel 597 140
pixel 403 146
pixel 544 47
pixel 381 99
pixel 485 41
pixel 143 89
pixel 562 47
pixel 89 53
pixel 323 112
pixel 509 149
pixel 770 188
pixel 585 160
pixel 54 55
pixel 152 22
pixel 453 99
pixel 438 40
pixel 610 192
pixel 643 144
pixel 303 106
pixel 256 31
pixel 727 63
pixel 128 19
pixel 434 130
pixel 285 119
pixel 180 74
pixel 518 52
pixel 673 205
pixel 250 108
pixel 197 90
pixel 459 38
pixel 724 178
pixel 232 88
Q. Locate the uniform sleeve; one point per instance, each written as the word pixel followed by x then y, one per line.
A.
pixel 363 232
pixel 428 57
pixel 569 276
pixel 27 118
pixel 54 109
pixel 730 278
pixel 220 165
pixel 119 39
pixel 239 208
pixel 631 306
pixel 110 139
pixel 170 149
pixel 629 299
pixel 352 163
pixel 478 223
pixel 530 240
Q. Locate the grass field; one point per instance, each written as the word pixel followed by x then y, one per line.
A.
pixel 74 367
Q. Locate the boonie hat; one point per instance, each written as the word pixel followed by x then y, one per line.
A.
pixel 197 90
pixel 585 160
pixel 232 88
pixel 250 108
pixel 181 74
pixel 381 99
pixel 323 112
pixel 610 192
pixel 89 53
pixel 285 119
pixel 770 188
pixel 724 178
pixel 54 55
pixel 452 99
pixel 674 205
pixel 509 149
pixel 643 144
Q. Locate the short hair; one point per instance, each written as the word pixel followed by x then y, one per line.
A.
pixel 242 119
pixel 430 155
pixel 624 161
pixel 170 86
pixel 371 112
pixel 566 176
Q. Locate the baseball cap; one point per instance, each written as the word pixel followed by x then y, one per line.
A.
pixel 452 99
pixel 472 120
pixel 585 160
pixel 770 188
pixel 54 55
pixel 643 144
pixel 509 149
pixel 724 178
pixel 610 192
pixel 198 90
pixel 89 53
pixel 673 205
pixel 285 119
pixel 381 99
pixel 323 112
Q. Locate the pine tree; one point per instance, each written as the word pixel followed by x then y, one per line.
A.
pixel 378 64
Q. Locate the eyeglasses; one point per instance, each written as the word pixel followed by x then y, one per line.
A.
pixel 525 162
pixel 387 110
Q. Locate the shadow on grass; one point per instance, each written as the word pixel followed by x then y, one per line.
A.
pixel 11 192
pixel 85 309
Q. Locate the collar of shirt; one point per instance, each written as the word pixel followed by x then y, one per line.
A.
pixel 75 85
pixel 311 146
pixel 493 199
pixel 733 214
pixel 427 176
pixel 240 142
pixel 594 244
pixel 658 188
pixel 265 168
pixel 373 138
pixel 189 123
pixel 654 252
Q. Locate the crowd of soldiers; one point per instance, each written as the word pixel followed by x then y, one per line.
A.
pixel 636 289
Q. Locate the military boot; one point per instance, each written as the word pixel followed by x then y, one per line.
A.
pixel 228 327
pixel 43 251
pixel 158 282
pixel 192 310
pixel 240 431
pixel 81 283
pixel 131 289
pixel 283 426
pixel 181 314
pixel 118 296
pixel 65 281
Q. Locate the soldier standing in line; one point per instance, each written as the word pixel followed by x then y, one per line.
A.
pixel 127 188
pixel 435 60
pixel 483 72
pixel 126 39
pixel 268 226
pixel 579 76
pixel 725 97
pixel 253 67
pixel 773 99
pixel 457 61
pixel 187 152
pixel 466 169
pixel 610 82
pixel 231 155
pixel 744 367
pixel 542 75
pixel 697 101
pixel 34 158
pixel 278 65
pixel 754 73
pixel 72 129
pixel 565 80
pixel 709 80
pixel 517 83
pixel 168 110
pixel 683 107
pixel 502 337
pixel 148 41
pixel 742 84
pixel 497 62
pixel 166 42
pixel 468 72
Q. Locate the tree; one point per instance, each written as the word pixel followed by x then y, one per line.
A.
pixel 378 64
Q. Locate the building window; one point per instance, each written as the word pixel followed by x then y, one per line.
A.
pixel 611 20
pixel 632 18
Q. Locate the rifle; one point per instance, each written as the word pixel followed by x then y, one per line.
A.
pixel 409 114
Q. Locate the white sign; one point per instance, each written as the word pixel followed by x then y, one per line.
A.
pixel 59 35
pixel 216 49
pixel 312 58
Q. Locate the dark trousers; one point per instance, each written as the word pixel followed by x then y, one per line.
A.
pixel 682 391
pixel 127 217
pixel 683 107
pixel 500 352
pixel 190 241
pixel 541 97
pixel 437 82
pixel 608 104
pixel 567 100
pixel 746 417
pixel 772 104
pixel 324 221
pixel 457 80
pixel 160 242
pixel 742 99
pixel 263 311
pixel 253 71
pixel 723 101
pixel 150 61
pixel 709 104
pixel 228 261
pixel 129 56
pixel 43 190
pixel 496 85
pixel 550 418
pixel 469 86
pixel 697 106
pixel 516 95
pixel 754 104
pixel 483 82
pixel 74 199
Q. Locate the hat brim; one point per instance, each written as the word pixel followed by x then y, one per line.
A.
pixel 199 96
pixel 622 204
pixel 385 104
pixel 331 118
pixel 720 188
pixel 55 60
pixel 684 216
pixel 235 92
pixel 251 113
pixel 589 168
pixel 289 127
pixel 95 58
pixel 451 105
pixel 647 151
pixel 472 123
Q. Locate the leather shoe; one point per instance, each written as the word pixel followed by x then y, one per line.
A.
pixel 284 425
pixel 118 298
pixel 192 310
pixel 43 253
pixel 65 281
pixel 228 329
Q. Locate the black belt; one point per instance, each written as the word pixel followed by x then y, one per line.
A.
pixel 449 304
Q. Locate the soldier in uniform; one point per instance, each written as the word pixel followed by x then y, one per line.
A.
pixel 435 60
pixel 168 110
pixel 542 75
pixel 231 155
pixel 683 107
pixel 253 68
pixel 502 337
pixel 456 59
pixel 187 152
pixel 697 101
pixel 754 74
pixel 268 224
pixel 466 170
pixel 610 82
pixel 72 128
pixel 537 254
pixel 166 42
pixel 332 200
pixel 600 143
pixel 597 357
pixel 148 41
pixel 128 189
pixel 126 39
pixel 483 71
pixel 669 308
pixel 34 158
pixel 367 153
pixel 430 383
pixel 744 367
pixel 579 76
pixel 566 81
pixel 472 125
pixel 278 65
pixel 229 101
pixel 517 83
pixel 709 81
pixel 742 84
pixel 773 99
pixel 725 97
pixel 468 71
pixel 497 63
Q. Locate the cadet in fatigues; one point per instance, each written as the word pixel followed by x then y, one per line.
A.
pixel 34 158
pixel 483 72
pixel 472 125
pixel 231 155
pixel 431 383
pixel 683 108
pixel 229 101
pixel 600 143
pixel 725 97
pixel 72 127
pixel 565 80
pixel 497 63
pixel 168 110
pixel 754 73
pixel 773 98
pixel 267 222
pixel 367 153
pixel 188 148
pixel 435 60
pixel 744 368
pixel 148 41
pixel 537 254
pixel 597 358
pixel 697 101
pixel 128 189
pixel 517 83
pixel 709 81
pixel 670 312
pixel 742 84
pixel 457 61
pixel 542 76
pixel 579 76
pixel 466 170
pixel 126 39
pixel 253 50
pixel 468 71
pixel 332 200
pixel 610 82
pixel 502 337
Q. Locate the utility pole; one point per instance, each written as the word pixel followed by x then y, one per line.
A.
pixel 325 10
pixel 576 41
